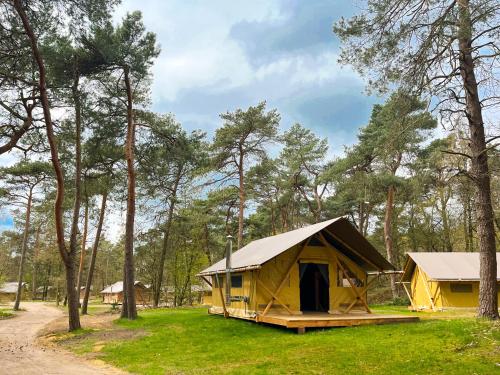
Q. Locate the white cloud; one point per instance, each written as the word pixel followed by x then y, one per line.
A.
pixel 197 50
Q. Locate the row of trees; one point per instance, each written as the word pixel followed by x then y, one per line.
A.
pixel 76 88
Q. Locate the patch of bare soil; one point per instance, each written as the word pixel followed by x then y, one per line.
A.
pixel 99 330
pixel 20 353
pixel 99 321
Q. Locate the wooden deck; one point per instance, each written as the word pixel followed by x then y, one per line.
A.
pixel 315 320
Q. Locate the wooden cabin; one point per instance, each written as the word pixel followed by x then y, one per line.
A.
pixel 113 294
pixel 438 281
pixel 8 291
pixel 316 276
pixel 46 292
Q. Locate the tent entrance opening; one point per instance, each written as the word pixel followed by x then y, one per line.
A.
pixel 314 287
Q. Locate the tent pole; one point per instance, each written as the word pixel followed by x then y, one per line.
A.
pixel 424 279
pixel 221 296
pixel 409 296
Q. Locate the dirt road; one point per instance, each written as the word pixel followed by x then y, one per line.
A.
pixel 19 353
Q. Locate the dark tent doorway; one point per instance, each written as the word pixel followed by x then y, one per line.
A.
pixel 314 287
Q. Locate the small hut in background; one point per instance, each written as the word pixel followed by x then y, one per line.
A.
pixel 8 291
pixel 437 281
pixel 114 293
pixel 46 292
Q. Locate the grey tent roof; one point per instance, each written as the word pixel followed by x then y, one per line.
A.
pixel 118 287
pixel 10 287
pixel 260 251
pixel 446 266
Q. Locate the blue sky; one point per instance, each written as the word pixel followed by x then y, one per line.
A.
pixel 6 222
pixel 222 55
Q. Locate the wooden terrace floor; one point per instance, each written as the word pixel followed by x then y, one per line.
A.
pixel 314 320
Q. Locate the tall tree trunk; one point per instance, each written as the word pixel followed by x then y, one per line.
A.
pixel 206 235
pixel 166 234
pixel 242 197
pixel 23 251
pixel 82 250
pixel 35 262
pixel 129 279
pixel 93 256
pixel 72 293
pixel 443 201
pixel 273 217
pixel 361 216
pixel 74 318
pixel 488 297
pixel 389 246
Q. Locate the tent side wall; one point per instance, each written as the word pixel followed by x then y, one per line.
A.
pixel 235 308
pixel 442 293
pixel 273 272
pixel 460 298
pixel 422 289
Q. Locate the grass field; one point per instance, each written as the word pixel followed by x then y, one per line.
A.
pixel 6 313
pixel 188 341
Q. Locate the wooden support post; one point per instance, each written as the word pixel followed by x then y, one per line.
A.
pixel 274 296
pixel 301 330
pixel 226 314
pixel 207 281
pixel 409 296
pixel 424 279
pixel 282 283
pixel 353 287
pixel 368 284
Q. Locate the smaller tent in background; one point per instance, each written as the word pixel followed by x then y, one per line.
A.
pixel 114 293
pixel 8 291
pixel 436 281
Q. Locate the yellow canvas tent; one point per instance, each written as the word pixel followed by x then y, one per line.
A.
pixel 436 281
pixel 316 276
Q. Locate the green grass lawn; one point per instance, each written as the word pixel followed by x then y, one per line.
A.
pixel 6 313
pixel 188 341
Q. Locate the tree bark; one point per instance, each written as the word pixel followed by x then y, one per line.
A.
pixel 242 198
pixel 443 201
pixel 389 208
pixel 35 263
pixel 166 234
pixel 82 250
pixel 73 294
pixel 23 251
pixel 273 218
pixel 488 297
pixel 129 280
pixel 74 318
pixel 93 256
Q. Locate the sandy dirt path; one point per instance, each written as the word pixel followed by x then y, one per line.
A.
pixel 20 353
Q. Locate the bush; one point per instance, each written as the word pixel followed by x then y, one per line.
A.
pixel 400 301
